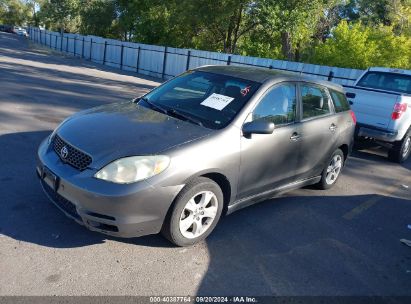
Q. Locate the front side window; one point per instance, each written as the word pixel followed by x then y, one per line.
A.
pixel 278 105
pixel 211 99
pixel 315 101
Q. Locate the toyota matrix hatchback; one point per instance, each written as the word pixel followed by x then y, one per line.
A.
pixel 211 141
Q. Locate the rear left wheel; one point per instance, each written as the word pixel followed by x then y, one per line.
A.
pixel 196 212
pixel 332 171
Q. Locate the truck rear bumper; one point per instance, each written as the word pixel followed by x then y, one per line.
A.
pixel 377 133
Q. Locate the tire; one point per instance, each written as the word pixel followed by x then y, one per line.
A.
pixel 187 206
pixel 401 150
pixel 329 178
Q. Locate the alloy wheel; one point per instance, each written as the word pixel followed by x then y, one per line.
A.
pixel 334 169
pixel 407 147
pixel 198 214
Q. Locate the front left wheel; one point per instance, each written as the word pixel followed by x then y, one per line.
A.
pixel 195 213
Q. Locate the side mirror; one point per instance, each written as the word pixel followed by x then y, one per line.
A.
pixel 258 127
pixel 350 95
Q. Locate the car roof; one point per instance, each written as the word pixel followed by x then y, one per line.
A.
pixel 263 75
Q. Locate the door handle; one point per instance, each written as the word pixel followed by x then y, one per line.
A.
pixel 333 127
pixel 295 136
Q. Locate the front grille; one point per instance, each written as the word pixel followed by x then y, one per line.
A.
pixel 75 157
pixel 60 201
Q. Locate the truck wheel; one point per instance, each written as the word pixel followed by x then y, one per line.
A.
pixel 195 212
pixel 401 150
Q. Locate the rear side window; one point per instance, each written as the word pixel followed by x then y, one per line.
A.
pixel 340 101
pixel 315 101
pixel 387 81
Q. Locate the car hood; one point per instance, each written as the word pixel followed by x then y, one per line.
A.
pixel 113 131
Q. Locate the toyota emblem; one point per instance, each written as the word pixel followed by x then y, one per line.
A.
pixel 64 152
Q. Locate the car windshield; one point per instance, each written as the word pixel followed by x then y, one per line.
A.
pixel 208 99
pixel 387 81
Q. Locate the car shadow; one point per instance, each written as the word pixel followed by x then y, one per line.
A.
pixel 309 245
pixel 372 151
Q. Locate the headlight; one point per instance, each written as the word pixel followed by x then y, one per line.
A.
pixel 132 169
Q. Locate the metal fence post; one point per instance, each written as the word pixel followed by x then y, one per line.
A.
pixel 164 63
pixel 121 56
pixel 188 60
pixel 61 42
pixel 229 60
pixel 104 53
pixel 55 42
pixel 330 76
pixel 74 51
pixel 91 48
pixel 82 48
pixel 40 37
pixel 138 59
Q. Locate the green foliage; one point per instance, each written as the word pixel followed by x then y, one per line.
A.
pixel 346 33
pixel 60 15
pixel 97 17
pixel 358 46
pixel 14 12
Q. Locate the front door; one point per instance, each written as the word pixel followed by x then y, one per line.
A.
pixel 270 160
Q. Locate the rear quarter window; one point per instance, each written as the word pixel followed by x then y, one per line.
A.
pixel 340 101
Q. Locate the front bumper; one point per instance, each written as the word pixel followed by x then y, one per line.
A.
pixel 118 210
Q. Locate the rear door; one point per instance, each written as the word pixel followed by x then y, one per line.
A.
pixel 319 130
pixel 344 120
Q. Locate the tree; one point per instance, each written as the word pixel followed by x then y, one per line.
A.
pixel 359 46
pixel 295 21
pixel 60 15
pixel 97 17
pixel 14 12
pixel 221 26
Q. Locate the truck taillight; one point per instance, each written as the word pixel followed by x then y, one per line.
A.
pixel 354 118
pixel 399 108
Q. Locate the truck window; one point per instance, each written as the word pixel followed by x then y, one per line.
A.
pixel 386 81
pixel 340 101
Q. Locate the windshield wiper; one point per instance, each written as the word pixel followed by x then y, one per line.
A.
pixel 173 112
pixel 154 106
pixel 185 117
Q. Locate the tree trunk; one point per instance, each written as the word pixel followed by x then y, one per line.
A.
pixel 237 28
pixel 286 46
pixel 297 52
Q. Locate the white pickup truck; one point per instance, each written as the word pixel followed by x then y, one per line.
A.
pixel 381 100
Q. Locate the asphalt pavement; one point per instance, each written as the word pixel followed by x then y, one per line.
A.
pixel 345 241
